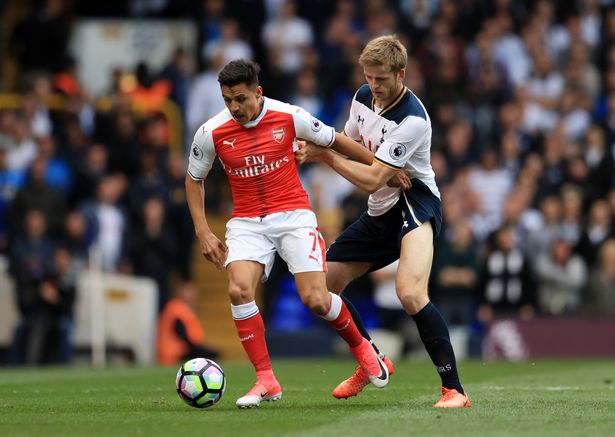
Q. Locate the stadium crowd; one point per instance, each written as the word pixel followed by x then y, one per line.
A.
pixel 522 95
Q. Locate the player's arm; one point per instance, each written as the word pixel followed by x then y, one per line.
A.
pixel 212 248
pixel 201 159
pixel 353 151
pixel 367 177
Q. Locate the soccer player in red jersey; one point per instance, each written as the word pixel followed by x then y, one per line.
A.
pixel 255 139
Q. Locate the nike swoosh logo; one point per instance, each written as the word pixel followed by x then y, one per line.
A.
pixel 383 372
pixel 264 394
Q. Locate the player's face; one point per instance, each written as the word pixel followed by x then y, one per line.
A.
pixel 383 83
pixel 242 101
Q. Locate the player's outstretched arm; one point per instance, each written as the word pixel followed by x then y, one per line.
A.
pixel 212 248
pixel 352 149
pixel 367 177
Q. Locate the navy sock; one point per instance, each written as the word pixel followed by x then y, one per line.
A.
pixel 434 334
pixel 358 321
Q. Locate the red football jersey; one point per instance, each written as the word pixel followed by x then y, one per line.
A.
pixel 258 157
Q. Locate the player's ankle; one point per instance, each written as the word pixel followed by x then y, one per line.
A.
pixel 265 375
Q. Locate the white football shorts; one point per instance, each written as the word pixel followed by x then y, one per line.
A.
pixel 293 234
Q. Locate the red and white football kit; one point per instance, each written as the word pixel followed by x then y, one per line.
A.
pixel 271 208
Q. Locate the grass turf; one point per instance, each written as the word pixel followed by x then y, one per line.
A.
pixel 541 398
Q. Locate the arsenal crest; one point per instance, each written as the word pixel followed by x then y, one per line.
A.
pixel 278 134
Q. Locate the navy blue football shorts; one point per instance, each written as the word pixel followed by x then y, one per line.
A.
pixel 378 239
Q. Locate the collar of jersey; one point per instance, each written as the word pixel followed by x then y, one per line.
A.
pixel 254 122
pixel 391 105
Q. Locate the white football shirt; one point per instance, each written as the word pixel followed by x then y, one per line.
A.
pixel 400 137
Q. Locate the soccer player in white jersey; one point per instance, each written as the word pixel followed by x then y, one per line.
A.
pixel 390 121
pixel 255 139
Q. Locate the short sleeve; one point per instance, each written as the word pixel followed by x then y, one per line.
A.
pixel 310 128
pixel 351 128
pixel 202 154
pixel 401 144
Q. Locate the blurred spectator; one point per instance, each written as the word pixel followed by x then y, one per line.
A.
pixel 581 74
pixel 155 138
pixel 600 291
pixel 572 202
pixel 149 182
pixel 491 183
pixel 210 20
pixel 541 239
pixel 44 334
pixel 121 141
pixel 561 276
pixel 88 174
pixel 178 215
pixel 72 140
pixel 22 147
pixel 306 93
pixel 418 16
pixel 30 252
pixel 458 147
pixel 228 45
pixel 456 275
pixel 285 38
pixel 601 163
pixel 204 98
pixel 508 288
pixel 180 334
pixel 178 72
pixel 544 87
pixel 75 240
pixel 107 224
pixel 598 229
pixel 153 248
pixel 34 104
pixel 37 194
pixel 59 175
pixel 574 116
pixel 10 182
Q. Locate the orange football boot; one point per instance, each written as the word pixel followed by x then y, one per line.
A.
pixel 357 382
pixel 451 398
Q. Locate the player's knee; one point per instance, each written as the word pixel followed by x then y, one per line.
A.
pixel 240 293
pixel 413 295
pixel 316 300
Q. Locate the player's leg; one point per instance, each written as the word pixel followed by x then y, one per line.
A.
pixel 243 278
pixel 249 260
pixel 411 284
pixel 339 275
pixel 312 289
pixel 371 242
pixel 300 244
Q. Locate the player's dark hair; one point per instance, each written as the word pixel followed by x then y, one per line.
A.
pixel 240 71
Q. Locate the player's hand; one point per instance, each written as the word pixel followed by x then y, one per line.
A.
pixel 308 152
pixel 401 179
pixel 213 249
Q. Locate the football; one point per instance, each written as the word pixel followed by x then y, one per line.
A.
pixel 200 382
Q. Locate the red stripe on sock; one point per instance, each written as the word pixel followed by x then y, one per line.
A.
pixel 346 327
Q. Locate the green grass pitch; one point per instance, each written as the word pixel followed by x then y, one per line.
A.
pixel 541 398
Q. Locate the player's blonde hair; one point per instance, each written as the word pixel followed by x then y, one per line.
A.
pixel 385 50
